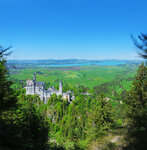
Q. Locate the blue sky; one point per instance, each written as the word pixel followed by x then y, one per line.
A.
pixel 63 29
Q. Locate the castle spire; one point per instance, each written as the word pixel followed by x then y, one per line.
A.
pixel 34 77
pixel 60 86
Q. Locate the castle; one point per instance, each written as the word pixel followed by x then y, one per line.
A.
pixel 36 87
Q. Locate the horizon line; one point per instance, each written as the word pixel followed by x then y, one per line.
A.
pixel 72 59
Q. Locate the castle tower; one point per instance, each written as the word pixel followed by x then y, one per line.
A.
pixel 34 83
pixel 34 77
pixel 60 86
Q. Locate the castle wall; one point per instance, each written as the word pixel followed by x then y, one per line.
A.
pixel 30 90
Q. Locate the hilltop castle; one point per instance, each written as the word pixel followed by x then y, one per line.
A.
pixel 36 87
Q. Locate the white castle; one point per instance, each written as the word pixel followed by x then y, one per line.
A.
pixel 36 87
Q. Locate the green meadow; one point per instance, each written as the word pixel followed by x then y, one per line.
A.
pixel 87 76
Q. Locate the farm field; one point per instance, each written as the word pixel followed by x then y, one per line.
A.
pixel 87 76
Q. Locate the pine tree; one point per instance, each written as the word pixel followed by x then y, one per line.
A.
pixel 22 124
pixel 7 97
pixel 141 45
pixel 100 117
pixel 137 107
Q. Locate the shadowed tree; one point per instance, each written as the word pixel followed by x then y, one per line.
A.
pixel 137 111
pixel 7 98
pixel 22 124
pixel 141 44
pixel 137 102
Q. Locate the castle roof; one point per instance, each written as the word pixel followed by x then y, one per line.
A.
pixel 39 84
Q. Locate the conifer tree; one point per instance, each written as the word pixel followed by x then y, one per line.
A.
pixel 22 124
pixel 141 45
pixel 7 97
pixel 101 117
pixel 137 101
pixel 137 111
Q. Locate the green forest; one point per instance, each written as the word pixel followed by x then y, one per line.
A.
pixel 112 117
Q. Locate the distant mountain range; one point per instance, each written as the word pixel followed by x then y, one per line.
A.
pixel 69 62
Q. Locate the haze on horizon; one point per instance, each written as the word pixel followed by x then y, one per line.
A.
pixel 80 29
